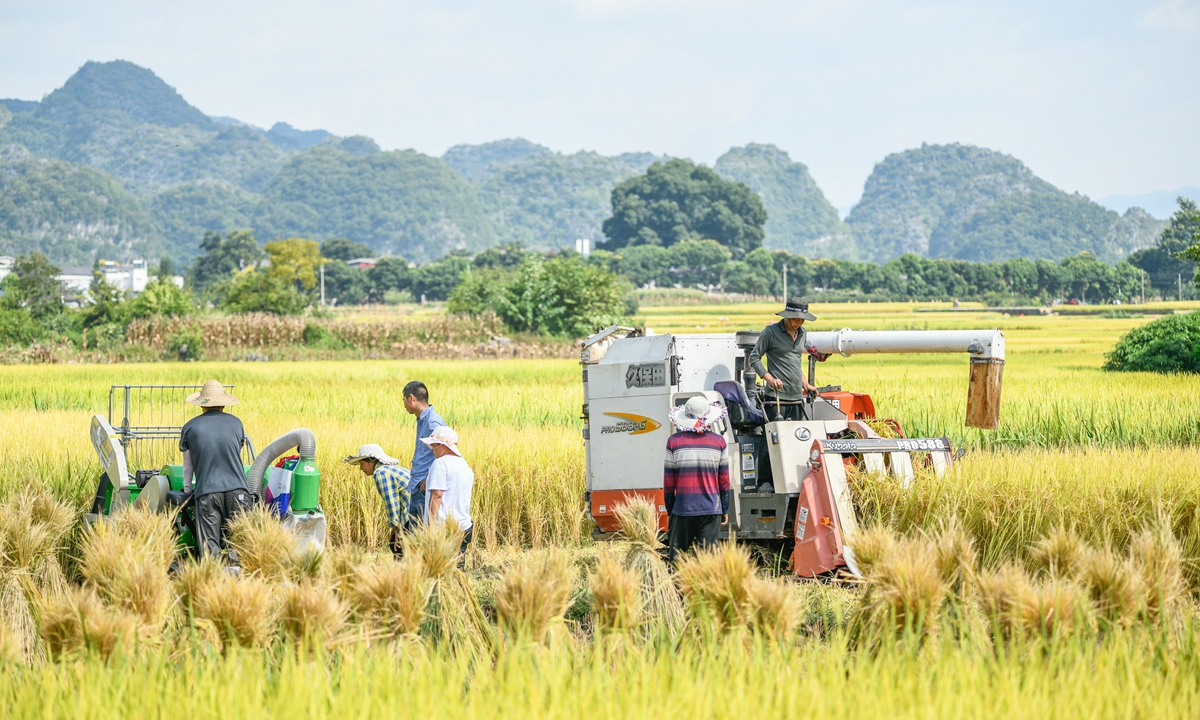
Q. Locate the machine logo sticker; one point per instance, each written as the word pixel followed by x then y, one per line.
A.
pixel 630 423
pixel 803 434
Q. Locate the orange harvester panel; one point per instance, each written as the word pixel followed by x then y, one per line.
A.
pixel 819 542
pixel 603 502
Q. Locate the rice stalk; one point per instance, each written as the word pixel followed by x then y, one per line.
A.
pixel 637 519
pixel 871 546
pixel 241 610
pixel 1060 552
pixel 772 609
pixel 715 582
pixel 616 595
pixel 1055 608
pixel 77 620
pixel 194 579
pixel 533 594
pixel 391 597
pixel 436 546
pixel 1158 558
pixel 1116 589
pixel 907 588
pixel 126 559
pixel 264 546
pixel 312 615
pixel 1001 592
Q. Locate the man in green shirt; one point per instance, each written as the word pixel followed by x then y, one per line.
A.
pixel 783 344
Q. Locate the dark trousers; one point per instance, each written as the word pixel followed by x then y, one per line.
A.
pixel 416 509
pixel 462 550
pixel 683 531
pixel 213 513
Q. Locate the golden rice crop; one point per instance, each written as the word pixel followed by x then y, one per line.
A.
pixel 312 615
pixel 391 597
pixel 126 559
pixel 533 594
pixel 716 584
pixel 616 595
pixel 242 611
pixel 264 546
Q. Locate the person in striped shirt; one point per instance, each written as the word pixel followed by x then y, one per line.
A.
pixel 695 478
pixel 394 484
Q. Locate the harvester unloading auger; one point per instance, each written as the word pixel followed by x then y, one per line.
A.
pixel 788 477
pixel 147 440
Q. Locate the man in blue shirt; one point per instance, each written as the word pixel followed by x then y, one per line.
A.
pixel 416 402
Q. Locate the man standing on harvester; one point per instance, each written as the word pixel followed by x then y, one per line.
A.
pixel 212 444
pixel 784 344
pixel 695 478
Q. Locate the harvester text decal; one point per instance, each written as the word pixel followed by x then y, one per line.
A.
pixel 646 375
pixel 630 423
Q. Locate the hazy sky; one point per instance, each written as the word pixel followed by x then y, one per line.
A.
pixel 1099 97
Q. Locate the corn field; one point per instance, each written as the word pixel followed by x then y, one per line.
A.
pixel 1053 572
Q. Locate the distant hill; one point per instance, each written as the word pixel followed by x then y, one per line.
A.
pixel 1161 204
pixel 543 199
pixel 400 202
pixel 123 119
pixel 71 212
pixel 117 163
pixel 799 218
pixel 970 203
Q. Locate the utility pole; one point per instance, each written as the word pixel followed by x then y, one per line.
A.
pixel 322 269
pixel 785 295
pixel 1179 279
pixel 1143 287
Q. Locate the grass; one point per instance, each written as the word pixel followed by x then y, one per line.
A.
pixel 1052 573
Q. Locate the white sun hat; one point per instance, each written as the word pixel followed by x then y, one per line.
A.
pixel 697 414
pixel 371 451
pixel 443 435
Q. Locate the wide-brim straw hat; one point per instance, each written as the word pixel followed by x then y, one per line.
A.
pixel 212 395
pixel 697 414
pixel 796 308
pixel 371 451
pixel 443 435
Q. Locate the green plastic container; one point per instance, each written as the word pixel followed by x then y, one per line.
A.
pixel 306 486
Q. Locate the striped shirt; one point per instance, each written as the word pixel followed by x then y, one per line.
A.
pixel 393 482
pixel 696 475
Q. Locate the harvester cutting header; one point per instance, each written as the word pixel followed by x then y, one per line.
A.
pixel 790 441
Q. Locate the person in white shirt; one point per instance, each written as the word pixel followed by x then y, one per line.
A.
pixel 448 485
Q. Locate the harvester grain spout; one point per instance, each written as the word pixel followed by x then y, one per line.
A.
pixel 986 348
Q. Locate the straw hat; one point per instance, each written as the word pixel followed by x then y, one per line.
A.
pixel 697 414
pixel 212 395
pixel 371 451
pixel 443 435
pixel 796 308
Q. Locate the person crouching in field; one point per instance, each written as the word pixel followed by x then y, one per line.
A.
pixel 448 485
pixel 211 444
pixel 394 484
pixel 695 478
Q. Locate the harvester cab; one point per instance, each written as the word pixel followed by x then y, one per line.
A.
pixel 789 480
pixel 142 465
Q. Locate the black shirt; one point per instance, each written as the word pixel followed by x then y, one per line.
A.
pixel 215 440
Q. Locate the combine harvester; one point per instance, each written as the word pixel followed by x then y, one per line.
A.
pixel 788 478
pixel 147 440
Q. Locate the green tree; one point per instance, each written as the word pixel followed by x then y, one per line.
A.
pixel 106 304
pixel 345 284
pixel 705 261
pixel 560 296
pixel 223 256
pixel 345 250
pixel 161 297
pixel 437 280
pixel 295 260
pixel 1165 263
pixel 504 256
pixel 677 201
pixel 34 286
pixel 256 291
pixel 390 273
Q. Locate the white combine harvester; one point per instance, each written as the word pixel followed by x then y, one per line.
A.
pixel 788 478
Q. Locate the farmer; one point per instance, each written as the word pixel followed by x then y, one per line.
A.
pixel 416 402
pixel 783 344
pixel 212 444
pixel 394 483
pixel 695 478
pixel 449 485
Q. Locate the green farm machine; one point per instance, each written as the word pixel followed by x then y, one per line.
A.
pixel 138 446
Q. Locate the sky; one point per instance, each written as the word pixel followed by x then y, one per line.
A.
pixel 1097 97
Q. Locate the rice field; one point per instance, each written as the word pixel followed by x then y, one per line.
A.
pixel 1053 572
